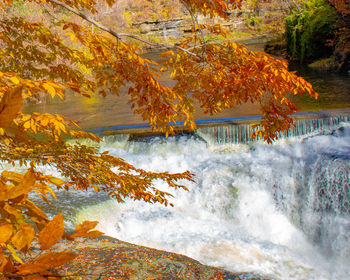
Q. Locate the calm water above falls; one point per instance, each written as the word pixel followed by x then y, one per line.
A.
pixel 333 89
pixel 279 210
pixel 98 112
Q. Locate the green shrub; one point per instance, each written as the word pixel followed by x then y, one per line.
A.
pixel 309 31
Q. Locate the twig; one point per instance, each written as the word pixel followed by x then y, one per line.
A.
pixel 118 36
pixel 195 21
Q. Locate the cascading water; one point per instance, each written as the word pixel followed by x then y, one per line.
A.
pixel 278 210
pixel 236 134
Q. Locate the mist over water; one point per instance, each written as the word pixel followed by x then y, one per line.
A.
pixel 279 210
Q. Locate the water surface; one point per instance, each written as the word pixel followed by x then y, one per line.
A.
pixel 99 112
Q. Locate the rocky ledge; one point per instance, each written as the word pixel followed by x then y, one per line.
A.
pixel 108 258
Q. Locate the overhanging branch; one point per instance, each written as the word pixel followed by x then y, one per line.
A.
pixel 118 36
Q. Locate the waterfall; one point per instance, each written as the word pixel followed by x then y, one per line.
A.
pixel 239 133
pixel 280 211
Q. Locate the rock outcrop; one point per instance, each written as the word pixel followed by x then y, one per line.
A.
pixel 109 258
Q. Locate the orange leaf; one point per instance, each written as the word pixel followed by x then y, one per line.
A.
pixel 35 211
pixel 5 232
pixel 11 210
pixel 55 259
pixel 3 262
pixel 83 228
pixel 93 233
pixel 86 226
pixel 52 233
pixel 35 277
pixel 10 105
pixel 12 176
pixel 23 238
pixel 6 264
pixel 28 268
pixel 24 187
pixel 4 191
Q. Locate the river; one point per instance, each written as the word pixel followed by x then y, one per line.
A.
pixel 280 210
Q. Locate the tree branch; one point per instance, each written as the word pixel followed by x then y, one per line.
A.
pixel 80 14
pixel 195 21
pixel 118 36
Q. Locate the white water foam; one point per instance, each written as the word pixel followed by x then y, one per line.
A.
pixel 268 209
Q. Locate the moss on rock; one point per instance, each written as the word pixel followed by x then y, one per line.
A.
pixel 311 31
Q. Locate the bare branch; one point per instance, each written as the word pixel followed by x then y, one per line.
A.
pixel 195 21
pixel 118 36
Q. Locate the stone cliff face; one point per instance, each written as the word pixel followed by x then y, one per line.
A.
pixel 263 17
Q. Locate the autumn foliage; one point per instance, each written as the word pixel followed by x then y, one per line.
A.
pixel 342 6
pixel 40 58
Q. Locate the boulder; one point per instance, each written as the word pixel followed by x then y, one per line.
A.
pixel 109 258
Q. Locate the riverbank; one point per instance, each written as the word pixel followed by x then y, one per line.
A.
pixel 109 258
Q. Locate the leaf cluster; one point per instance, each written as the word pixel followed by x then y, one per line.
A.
pixel 228 74
pixel 22 223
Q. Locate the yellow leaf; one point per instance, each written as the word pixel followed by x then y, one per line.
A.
pixel 12 176
pixel 13 253
pixel 172 75
pixel 23 238
pixel 71 35
pixel 58 182
pixel 5 232
pixel 10 105
pixel 50 89
pixel 26 125
pixel 51 192
pixel 52 233
pixel 14 80
pixel 26 118
pixel 167 53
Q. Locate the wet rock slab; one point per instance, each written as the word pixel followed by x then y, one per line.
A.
pixel 109 258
